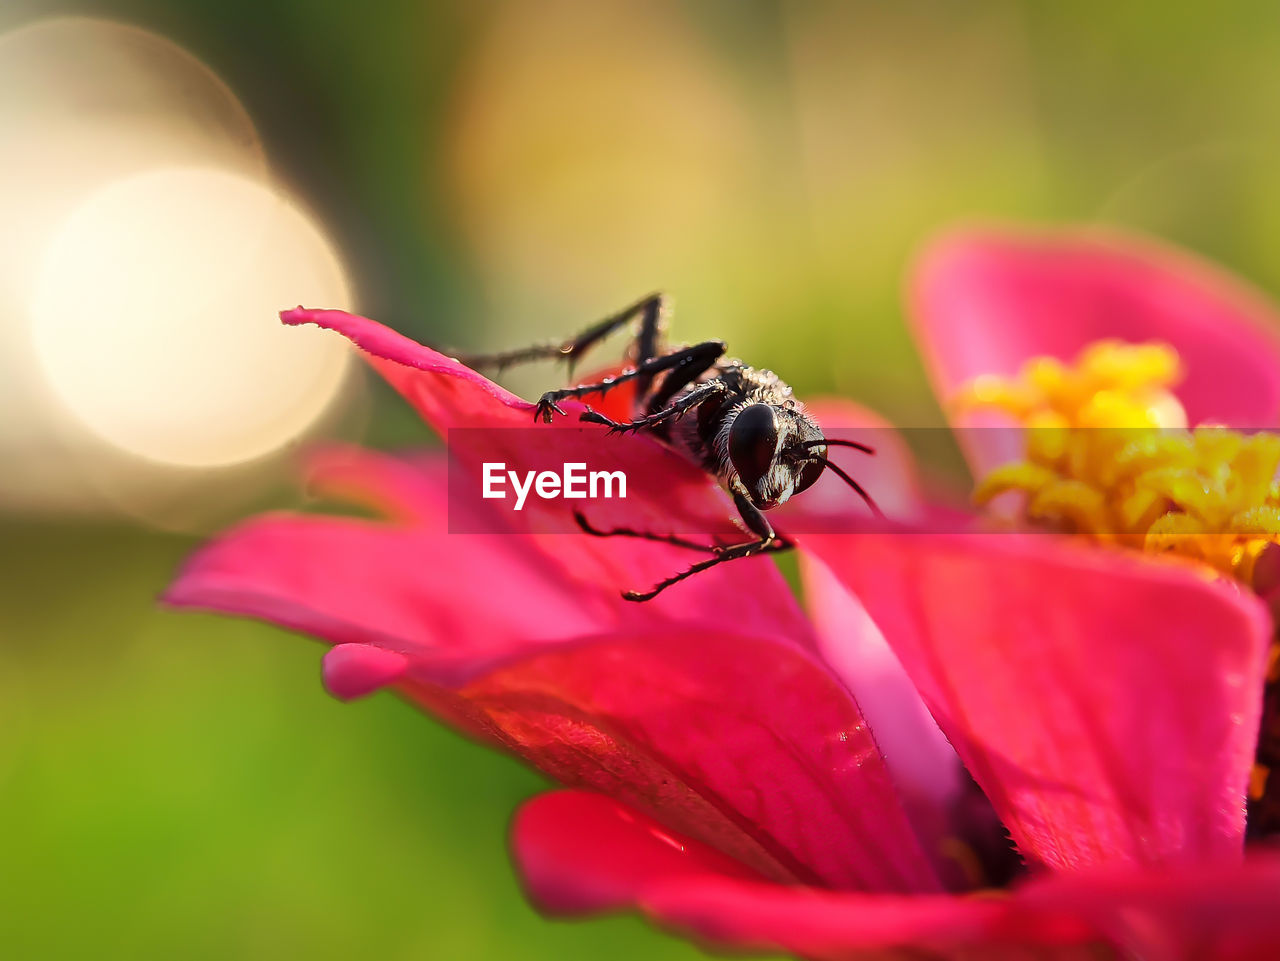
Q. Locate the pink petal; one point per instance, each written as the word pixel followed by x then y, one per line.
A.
pixel 921 761
pixel 403 488
pixel 446 393
pixel 985 300
pixel 919 757
pixel 582 853
pixel 415 588
pixel 355 670
pixel 452 395
pixel 1106 703
pixel 483 422
pixel 577 827
pixel 744 744
pixel 726 727
pixel 1225 912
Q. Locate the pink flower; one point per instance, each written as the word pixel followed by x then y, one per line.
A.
pixel 720 774
pixel 682 707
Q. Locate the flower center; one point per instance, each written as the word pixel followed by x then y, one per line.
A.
pixel 1108 455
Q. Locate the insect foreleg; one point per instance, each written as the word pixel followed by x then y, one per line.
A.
pixel 722 555
pixel 644 535
pixel 697 360
pixel 692 399
pixel 755 520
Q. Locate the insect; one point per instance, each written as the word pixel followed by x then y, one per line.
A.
pixel 740 424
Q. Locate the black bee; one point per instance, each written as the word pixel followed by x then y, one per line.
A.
pixel 747 430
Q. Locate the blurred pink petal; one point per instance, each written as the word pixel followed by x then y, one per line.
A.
pixel 354 670
pixel 689 729
pixel 919 757
pixel 582 853
pixel 983 301
pixel 1107 704
pixel 410 586
pixel 742 743
pixel 403 489
pixel 671 705
pixel 1227 912
pixel 921 761
pixel 554 831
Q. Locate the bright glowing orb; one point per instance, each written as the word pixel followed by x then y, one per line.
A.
pixel 154 317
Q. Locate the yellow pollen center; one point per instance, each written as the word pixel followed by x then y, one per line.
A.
pixel 1108 455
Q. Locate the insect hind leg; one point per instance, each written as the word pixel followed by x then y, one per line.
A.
pixel 647 343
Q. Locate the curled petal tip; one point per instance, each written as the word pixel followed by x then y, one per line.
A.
pixel 352 671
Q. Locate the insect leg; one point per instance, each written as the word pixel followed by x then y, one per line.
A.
pixel 758 524
pixel 705 354
pixel 722 555
pixel 643 535
pixel 650 340
pixel 692 399
pixel 685 373
pixel 649 309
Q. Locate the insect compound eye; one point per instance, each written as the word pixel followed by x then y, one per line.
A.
pixel 753 442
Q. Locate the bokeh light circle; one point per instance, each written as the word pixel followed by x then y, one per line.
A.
pixel 153 322
pixel 84 102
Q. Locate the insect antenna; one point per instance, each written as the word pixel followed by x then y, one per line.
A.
pixel 837 443
pixel 831 466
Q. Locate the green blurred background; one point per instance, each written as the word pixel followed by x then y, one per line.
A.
pixel 493 173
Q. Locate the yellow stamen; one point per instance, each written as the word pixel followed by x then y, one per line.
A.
pixel 1108 455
